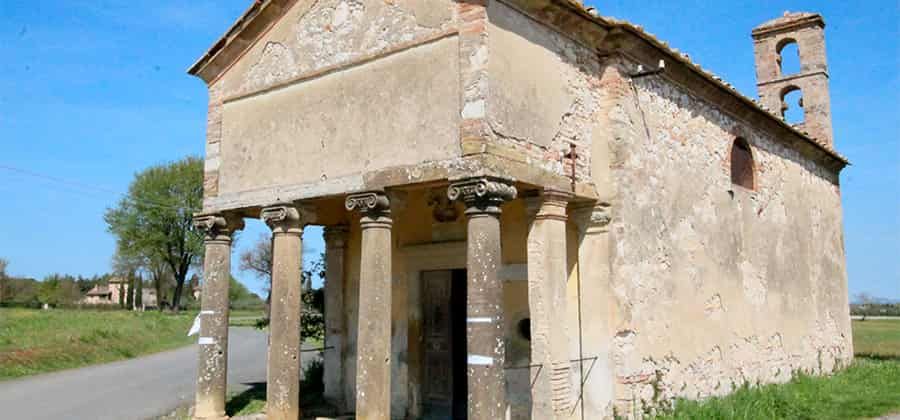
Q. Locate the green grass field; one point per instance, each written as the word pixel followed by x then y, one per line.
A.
pixel 877 338
pixel 34 341
pixel 869 388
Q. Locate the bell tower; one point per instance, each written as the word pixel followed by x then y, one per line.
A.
pixel 807 32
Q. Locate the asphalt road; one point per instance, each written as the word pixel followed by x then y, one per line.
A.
pixel 134 389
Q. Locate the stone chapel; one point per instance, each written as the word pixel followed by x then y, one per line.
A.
pixel 531 210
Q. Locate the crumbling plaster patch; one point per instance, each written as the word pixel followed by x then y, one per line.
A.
pixel 320 33
pixel 543 93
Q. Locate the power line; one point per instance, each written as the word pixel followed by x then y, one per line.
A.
pixel 83 188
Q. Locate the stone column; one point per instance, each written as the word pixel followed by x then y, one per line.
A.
pixel 597 309
pixel 212 369
pixel 335 241
pixel 485 344
pixel 373 360
pixel 547 281
pixel 283 378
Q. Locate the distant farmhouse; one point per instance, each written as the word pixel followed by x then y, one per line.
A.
pixel 109 294
pixel 530 210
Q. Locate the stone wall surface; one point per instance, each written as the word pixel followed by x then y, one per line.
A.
pixel 322 70
pixel 368 117
pixel 542 95
pixel 716 285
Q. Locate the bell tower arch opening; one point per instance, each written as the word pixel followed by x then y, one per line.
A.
pixel 792 72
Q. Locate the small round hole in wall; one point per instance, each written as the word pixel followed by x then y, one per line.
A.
pixel 524 326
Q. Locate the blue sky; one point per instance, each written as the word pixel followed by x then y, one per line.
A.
pixel 92 91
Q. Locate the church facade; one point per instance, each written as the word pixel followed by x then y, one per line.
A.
pixel 530 210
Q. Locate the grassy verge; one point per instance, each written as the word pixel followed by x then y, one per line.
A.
pixel 869 388
pixel 245 317
pixel 35 341
pixel 877 338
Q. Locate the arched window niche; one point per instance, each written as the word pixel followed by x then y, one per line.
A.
pixel 792 110
pixel 788 57
pixel 742 165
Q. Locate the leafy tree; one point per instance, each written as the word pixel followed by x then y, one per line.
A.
pixel 48 290
pixel 58 290
pixel 239 297
pixel 154 220
pixel 161 278
pixel 3 281
pixel 258 260
pixel 129 292
pixel 21 291
pixel 138 292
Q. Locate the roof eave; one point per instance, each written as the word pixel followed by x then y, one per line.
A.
pixel 261 14
pixel 840 161
pixel 732 91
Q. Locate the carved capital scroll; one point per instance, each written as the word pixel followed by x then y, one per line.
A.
pixel 483 194
pixel 374 206
pixel 283 218
pixel 218 227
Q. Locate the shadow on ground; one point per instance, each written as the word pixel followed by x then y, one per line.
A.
pixel 253 400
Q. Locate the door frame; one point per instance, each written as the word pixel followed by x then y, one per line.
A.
pixel 433 256
pixel 418 259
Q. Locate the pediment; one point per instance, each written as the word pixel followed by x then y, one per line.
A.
pixel 308 35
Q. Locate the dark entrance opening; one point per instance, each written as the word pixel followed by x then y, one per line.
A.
pixel 444 328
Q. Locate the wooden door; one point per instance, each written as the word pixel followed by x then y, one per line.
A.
pixel 438 344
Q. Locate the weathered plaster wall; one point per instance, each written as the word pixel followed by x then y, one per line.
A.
pixel 367 117
pixel 318 34
pixel 328 62
pixel 717 285
pixel 542 95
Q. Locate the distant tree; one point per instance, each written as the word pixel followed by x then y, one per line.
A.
pixel 864 300
pixel 239 297
pixel 122 294
pixel 161 278
pixel 48 290
pixel 154 220
pixel 56 290
pixel 129 292
pixel 138 292
pixel 21 291
pixel 258 261
pixel 3 282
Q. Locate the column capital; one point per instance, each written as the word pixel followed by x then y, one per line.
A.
pixel 374 206
pixel 335 236
pixel 283 218
pixel 218 226
pixel 548 204
pixel 482 195
pixel 592 218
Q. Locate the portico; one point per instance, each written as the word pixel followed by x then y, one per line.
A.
pixel 427 301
